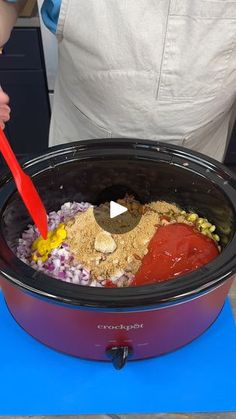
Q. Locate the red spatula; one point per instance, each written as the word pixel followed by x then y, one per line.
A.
pixel 25 187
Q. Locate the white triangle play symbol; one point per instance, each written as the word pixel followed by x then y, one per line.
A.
pixel 116 209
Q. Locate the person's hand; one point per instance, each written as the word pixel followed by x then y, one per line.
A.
pixel 4 109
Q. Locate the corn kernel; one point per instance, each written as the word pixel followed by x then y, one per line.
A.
pixel 216 237
pixel 192 217
pixel 212 228
pixel 205 225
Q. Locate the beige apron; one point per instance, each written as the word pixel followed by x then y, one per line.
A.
pixel 157 69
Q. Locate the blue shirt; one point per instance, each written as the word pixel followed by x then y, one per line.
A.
pixel 50 13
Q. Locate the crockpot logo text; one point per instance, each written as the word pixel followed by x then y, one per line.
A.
pixel 126 327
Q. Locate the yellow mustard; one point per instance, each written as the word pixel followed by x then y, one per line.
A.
pixel 41 248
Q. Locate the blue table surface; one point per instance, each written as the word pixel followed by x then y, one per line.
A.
pixel 36 380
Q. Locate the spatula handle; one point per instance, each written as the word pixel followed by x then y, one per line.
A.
pixel 9 155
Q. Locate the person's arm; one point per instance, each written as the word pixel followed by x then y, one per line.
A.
pixel 8 14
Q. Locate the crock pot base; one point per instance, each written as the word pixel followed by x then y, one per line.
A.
pixel 88 333
pixel 130 358
pixel 47 382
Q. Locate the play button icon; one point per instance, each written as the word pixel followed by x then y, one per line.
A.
pixel 114 213
pixel 116 209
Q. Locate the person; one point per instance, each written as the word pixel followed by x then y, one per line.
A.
pixel 156 69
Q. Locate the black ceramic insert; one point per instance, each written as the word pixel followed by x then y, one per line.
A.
pixel 152 171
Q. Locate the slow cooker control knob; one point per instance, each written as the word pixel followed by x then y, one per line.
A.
pixel 119 355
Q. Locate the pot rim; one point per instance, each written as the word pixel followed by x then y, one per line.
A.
pixel 198 281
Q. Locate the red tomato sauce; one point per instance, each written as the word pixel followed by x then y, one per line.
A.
pixel 174 250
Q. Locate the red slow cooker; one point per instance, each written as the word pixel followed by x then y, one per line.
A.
pixel 124 323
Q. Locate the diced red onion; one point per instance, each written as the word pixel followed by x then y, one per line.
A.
pixel 60 264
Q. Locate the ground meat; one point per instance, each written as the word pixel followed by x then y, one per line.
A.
pixel 83 232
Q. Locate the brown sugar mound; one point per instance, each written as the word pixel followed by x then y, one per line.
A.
pixel 109 256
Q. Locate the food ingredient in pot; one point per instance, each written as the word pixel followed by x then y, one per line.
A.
pixel 104 243
pixel 77 250
pixel 59 263
pixel 175 250
pixel 113 256
pixel 54 239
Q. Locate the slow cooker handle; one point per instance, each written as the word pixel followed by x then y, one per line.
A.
pixel 118 355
